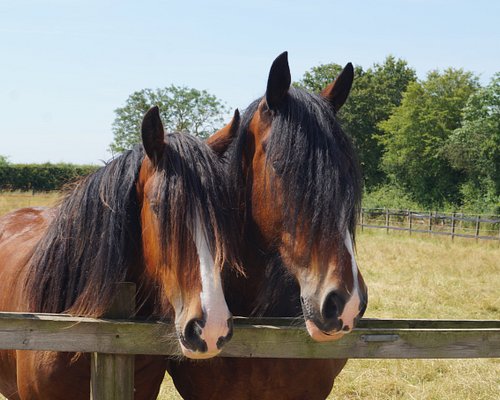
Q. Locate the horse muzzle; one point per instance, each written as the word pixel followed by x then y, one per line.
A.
pixel 200 340
pixel 336 316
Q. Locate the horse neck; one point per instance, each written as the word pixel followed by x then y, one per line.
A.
pixel 256 294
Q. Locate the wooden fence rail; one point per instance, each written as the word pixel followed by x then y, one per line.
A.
pixel 433 223
pixel 264 337
pixel 114 341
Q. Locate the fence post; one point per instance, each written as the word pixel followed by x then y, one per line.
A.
pixel 112 375
pixel 387 220
pixel 410 220
pixel 453 225
pixel 477 228
pixel 430 222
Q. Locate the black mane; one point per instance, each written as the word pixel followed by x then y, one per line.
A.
pixel 316 163
pixel 191 186
pixel 89 245
pixel 95 239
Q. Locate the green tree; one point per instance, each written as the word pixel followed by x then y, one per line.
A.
pixel 4 160
pixel 322 75
pixel 474 148
pixel 374 95
pixel 182 110
pixel 416 133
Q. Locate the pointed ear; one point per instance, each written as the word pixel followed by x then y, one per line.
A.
pixel 338 91
pixel 153 135
pixel 220 140
pixel 278 82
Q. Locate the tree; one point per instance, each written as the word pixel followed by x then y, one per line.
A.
pixel 474 148
pixel 374 95
pixel 4 161
pixel 182 109
pixel 415 135
pixel 322 75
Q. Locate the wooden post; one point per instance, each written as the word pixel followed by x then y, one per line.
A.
pixel 430 222
pixel 477 228
pixel 410 220
pixel 112 375
pixel 453 225
pixel 387 220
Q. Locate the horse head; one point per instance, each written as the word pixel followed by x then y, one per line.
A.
pixel 299 185
pixel 186 231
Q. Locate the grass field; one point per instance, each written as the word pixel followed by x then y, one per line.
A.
pixel 11 200
pixel 417 277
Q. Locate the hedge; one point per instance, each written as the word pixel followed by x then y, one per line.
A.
pixel 41 177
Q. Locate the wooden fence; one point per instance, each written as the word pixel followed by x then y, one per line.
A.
pixel 485 227
pixel 113 342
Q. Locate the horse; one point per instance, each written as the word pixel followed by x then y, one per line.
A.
pixel 297 180
pixel 159 215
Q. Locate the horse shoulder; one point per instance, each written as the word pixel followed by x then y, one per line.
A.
pixel 20 231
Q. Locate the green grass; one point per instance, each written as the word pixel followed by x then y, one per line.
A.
pixel 413 277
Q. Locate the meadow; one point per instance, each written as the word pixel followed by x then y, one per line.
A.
pixel 12 200
pixel 407 277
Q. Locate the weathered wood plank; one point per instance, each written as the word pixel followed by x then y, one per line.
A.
pixel 62 333
pixel 260 341
pixel 376 323
pixel 112 375
pixel 257 338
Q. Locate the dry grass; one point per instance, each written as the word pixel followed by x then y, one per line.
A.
pixel 423 277
pixel 10 201
pixel 417 277
pixel 429 277
pixel 418 379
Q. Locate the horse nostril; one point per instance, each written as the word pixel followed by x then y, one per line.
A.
pixel 332 306
pixel 193 329
pixel 224 339
pixel 192 335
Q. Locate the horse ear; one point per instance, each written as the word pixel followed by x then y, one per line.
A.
pixel 338 91
pixel 278 82
pixel 153 135
pixel 220 140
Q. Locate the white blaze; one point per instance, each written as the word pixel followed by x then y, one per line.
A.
pixel 351 309
pixel 213 302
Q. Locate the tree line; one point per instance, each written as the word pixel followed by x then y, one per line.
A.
pixel 429 143
pixel 422 143
pixel 40 177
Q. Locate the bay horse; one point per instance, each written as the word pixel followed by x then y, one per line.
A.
pixel 160 216
pixel 297 179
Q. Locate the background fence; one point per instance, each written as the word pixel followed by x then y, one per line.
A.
pixel 486 227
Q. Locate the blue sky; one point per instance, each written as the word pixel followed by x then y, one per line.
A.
pixel 65 65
